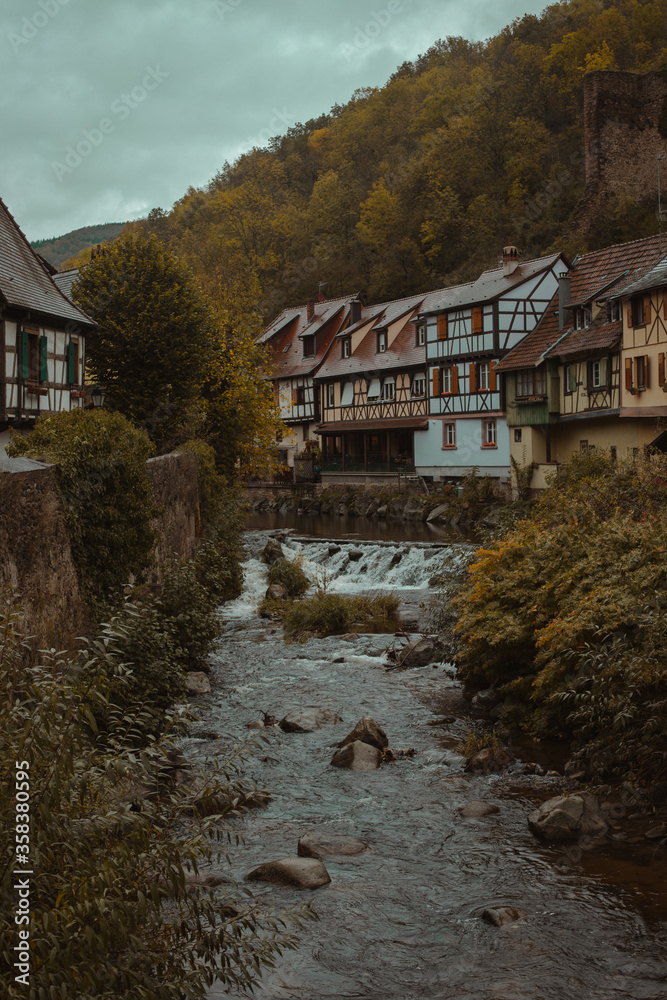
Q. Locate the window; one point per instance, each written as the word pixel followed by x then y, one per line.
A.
pixel 489 434
pixel 421 334
pixel 389 389
pixel 483 376
pixel 73 362
pixel 614 310
pixel 347 395
pixel 300 397
pixel 382 341
pixel 446 380
pixel 641 367
pixel 582 318
pixel 418 388
pixel 449 435
pixel 517 435
pixel 637 311
pixel 442 326
pixel 309 346
pixel 531 382
pixel 571 379
pixel 34 366
pixel 345 346
pixel 373 391
pixel 331 394
pixel 594 374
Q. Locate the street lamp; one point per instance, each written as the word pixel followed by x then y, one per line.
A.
pixel 97 396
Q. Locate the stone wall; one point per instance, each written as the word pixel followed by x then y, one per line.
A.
pixel 176 490
pixel 625 119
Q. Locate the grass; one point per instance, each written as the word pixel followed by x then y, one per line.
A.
pixel 476 740
pixel 290 574
pixel 335 614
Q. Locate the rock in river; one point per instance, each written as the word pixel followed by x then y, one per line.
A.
pixel 490 760
pixel 272 552
pixel 276 592
pixel 302 873
pixel 419 653
pixel 476 809
pixel 566 817
pixel 196 682
pixel 307 720
pixel 357 756
pixel 368 731
pixel 316 845
pixel 501 915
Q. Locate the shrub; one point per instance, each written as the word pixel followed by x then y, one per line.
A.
pixel 335 614
pixel 290 574
pixel 107 496
pixel 112 847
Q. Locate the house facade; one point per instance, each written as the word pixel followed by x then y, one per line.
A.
pixel 42 337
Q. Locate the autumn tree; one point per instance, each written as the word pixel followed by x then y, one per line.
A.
pixel 154 336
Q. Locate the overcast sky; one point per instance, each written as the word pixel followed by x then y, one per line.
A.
pixel 113 107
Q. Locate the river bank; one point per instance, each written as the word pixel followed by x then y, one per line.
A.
pixel 403 918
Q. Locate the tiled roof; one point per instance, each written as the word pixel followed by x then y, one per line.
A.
pixel 489 285
pixel 65 279
pixel 600 335
pixel 287 340
pixel 655 278
pixel 323 312
pixel 25 283
pixel 598 274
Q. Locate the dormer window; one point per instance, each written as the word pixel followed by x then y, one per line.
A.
pixel 286 348
pixel 309 346
pixel 582 318
pixel 382 341
pixel 345 347
pixel 421 335
pixel 614 310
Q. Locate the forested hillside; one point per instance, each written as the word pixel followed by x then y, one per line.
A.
pixel 420 183
pixel 62 248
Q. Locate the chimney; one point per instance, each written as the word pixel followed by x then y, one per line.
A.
pixel 563 298
pixel 310 309
pixel 510 260
pixel 355 311
pixel 321 297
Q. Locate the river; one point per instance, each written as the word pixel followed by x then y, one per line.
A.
pixel 402 920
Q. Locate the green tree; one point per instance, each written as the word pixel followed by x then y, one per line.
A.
pixel 155 332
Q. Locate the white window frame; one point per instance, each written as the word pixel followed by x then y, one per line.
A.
pixel 446 375
pixel 489 434
pixel 483 376
pixel 382 342
pixel 346 347
pixel 421 334
pixel 331 394
pixel 388 393
pixel 596 374
pixel 449 434
pixel 418 380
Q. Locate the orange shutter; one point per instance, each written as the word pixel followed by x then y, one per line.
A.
pixel 647 308
pixel 293 397
pixel 492 376
pixel 442 326
pixel 646 372
pixel 630 323
pixel 628 373
pixel 661 370
pixel 436 381
pixel 455 378
pixel 477 319
pixel 473 382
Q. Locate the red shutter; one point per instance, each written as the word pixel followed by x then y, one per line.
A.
pixel 442 326
pixel 455 379
pixel 473 382
pixel 630 323
pixel 661 370
pixel 492 376
pixel 628 373
pixel 436 381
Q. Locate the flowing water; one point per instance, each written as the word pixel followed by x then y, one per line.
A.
pixel 402 920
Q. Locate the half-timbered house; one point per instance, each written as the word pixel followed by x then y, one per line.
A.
pixel 373 393
pixel 569 385
pixel 298 340
pixel 42 337
pixel 467 330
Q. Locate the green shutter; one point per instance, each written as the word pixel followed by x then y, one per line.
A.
pixel 71 364
pixel 25 354
pixel 43 366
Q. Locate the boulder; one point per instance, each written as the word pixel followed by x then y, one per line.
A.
pixel 315 845
pixel 439 513
pixel 272 552
pixel 485 699
pixel 307 720
pixel 357 756
pixel 301 873
pixel 396 560
pixel 276 592
pixel 333 549
pixel 489 760
pixel 567 817
pixel 419 653
pixel 196 682
pixel 382 511
pixel 367 731
pixel 477 809
pixel 501 915
pixel 349 637
pixel 355 555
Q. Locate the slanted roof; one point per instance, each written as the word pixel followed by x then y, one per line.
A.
pixel 599 274
pixel 601 335
pixel 490 285
pixel 65 279
pixel 323 312
pixel 24 281
pixel 655 278
pixel 286 335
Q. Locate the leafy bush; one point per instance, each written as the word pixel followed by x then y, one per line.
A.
pixel 107 496
pixel 335 614
pixel 188 610
pixel 564 614
pixel 114 845
pixel 290 574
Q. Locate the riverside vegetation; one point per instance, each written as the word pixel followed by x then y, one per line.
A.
pixel 120 823
pixel 563 614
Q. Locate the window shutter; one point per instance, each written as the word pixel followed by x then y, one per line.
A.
pixel 455 379
pixel 71 364
pixel 492 376
pixel 25 354
pixel 646 372
pixel 473 381
pixel 442 326
pixel 628 373
pixel 647 308
pixel 293 397
pixel 477 319
pixel 43 363
pixel 436 381
pixel 630 323
pixel 661 369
